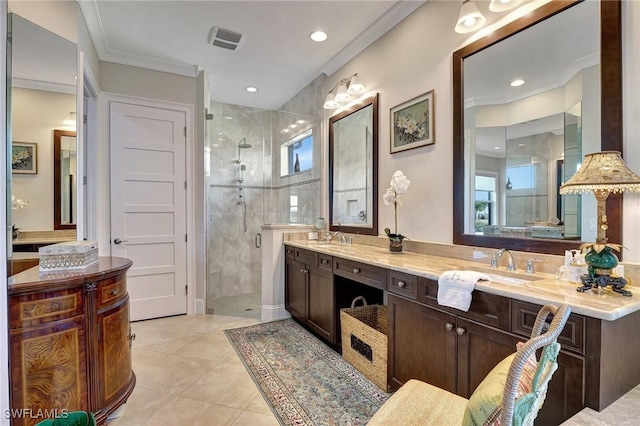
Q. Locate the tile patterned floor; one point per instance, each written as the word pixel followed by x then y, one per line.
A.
pixel 188 374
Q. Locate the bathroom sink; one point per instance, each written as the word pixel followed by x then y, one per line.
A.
pixel 503 276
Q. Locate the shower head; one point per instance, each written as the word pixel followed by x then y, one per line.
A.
pixel 243 144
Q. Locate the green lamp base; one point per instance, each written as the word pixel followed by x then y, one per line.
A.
pixel 599 272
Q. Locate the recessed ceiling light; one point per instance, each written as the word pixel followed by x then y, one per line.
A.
pixel 252 89
pixel 318 36
pixel 520 144
pixel 293 126
pixel 496 147
pixel 516 83
pixel 228 117
pixel 300 122
pixel 284 131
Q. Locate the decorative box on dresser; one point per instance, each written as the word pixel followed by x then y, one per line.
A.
pixel 70 341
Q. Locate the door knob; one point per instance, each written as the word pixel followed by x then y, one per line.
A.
pixel 119 241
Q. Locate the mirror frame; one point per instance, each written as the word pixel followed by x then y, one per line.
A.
pixel 57 178
pixel 373 230
pixel 610 117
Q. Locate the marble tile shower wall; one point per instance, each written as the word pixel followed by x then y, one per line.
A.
pixel 234 263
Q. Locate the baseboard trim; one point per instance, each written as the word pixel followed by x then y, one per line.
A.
pixel 274 312
pixel 200 306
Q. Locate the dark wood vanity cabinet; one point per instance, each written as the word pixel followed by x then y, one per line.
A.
pixel 70 340
pixel 309 292
pixel 455 350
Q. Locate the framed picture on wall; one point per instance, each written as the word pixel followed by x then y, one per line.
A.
pixel 24 157
pixel 412 123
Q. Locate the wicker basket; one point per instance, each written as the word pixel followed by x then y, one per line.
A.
pixel 364 340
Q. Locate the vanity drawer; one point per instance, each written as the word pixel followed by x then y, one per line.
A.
pixel 111 290
pixel 572 336
pixel 489 309
pixel 309 258
pixel 31 310
pixel 360 272
pixel 325 262
pixel 403 284
pixel 289 252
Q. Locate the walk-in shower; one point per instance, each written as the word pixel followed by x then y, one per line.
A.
pixel 245 191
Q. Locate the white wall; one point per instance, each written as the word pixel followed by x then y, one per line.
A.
pixel 631 123
pixel 415 57
pixel 144 83
pixel 57 16
pixel 411 59
pixel 35 115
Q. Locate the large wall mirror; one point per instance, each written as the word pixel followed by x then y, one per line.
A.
pixel 353 168
pixel 514 145
pixel 41 100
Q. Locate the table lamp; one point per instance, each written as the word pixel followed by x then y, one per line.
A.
pixel 602 173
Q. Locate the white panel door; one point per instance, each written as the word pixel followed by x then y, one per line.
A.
pixel 148 206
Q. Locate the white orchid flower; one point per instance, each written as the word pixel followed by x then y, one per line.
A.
pixel 389 197
pixel 400 182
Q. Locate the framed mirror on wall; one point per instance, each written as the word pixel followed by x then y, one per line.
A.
pixel 515 142
pixel 41 100
pixel 353 168
pixel 65 197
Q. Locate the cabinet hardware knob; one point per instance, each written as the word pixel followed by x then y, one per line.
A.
pixel 132 337
pixel 114 291
pixel 356 270
pixel 460 331
pixel 401 284
pixel 448 326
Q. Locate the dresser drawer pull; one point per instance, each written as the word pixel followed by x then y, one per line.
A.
pixel 356 270
pixel 304 271
pixel 325 261
pixel 460 331
pixel 114 292
pixel 448 326
pixel 401 284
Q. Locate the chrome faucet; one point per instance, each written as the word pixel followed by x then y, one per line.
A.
pixel 511 265
pixel 342 240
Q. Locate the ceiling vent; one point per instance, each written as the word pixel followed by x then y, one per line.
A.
pixel 226 39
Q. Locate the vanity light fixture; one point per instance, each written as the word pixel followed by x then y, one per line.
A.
pixel 470 19
pixel 503 5
pixel 251 89
pixel 343 90
pixel 517 83
pixel 602 173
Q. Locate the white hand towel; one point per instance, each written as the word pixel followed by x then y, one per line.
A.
pixel 455 288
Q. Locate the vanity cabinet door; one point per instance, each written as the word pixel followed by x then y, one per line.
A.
pixel 48 369
pixel 321 313
pixel 296 290
pixel 480 348
pixel 565 396
pixel 422 344
pixel 114 351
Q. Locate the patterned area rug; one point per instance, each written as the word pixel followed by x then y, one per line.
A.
pixel 305 381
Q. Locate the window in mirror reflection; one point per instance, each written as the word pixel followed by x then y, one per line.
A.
pixel 297 154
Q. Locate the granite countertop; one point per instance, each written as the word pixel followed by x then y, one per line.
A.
pixel 41 240
pixel 537 288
